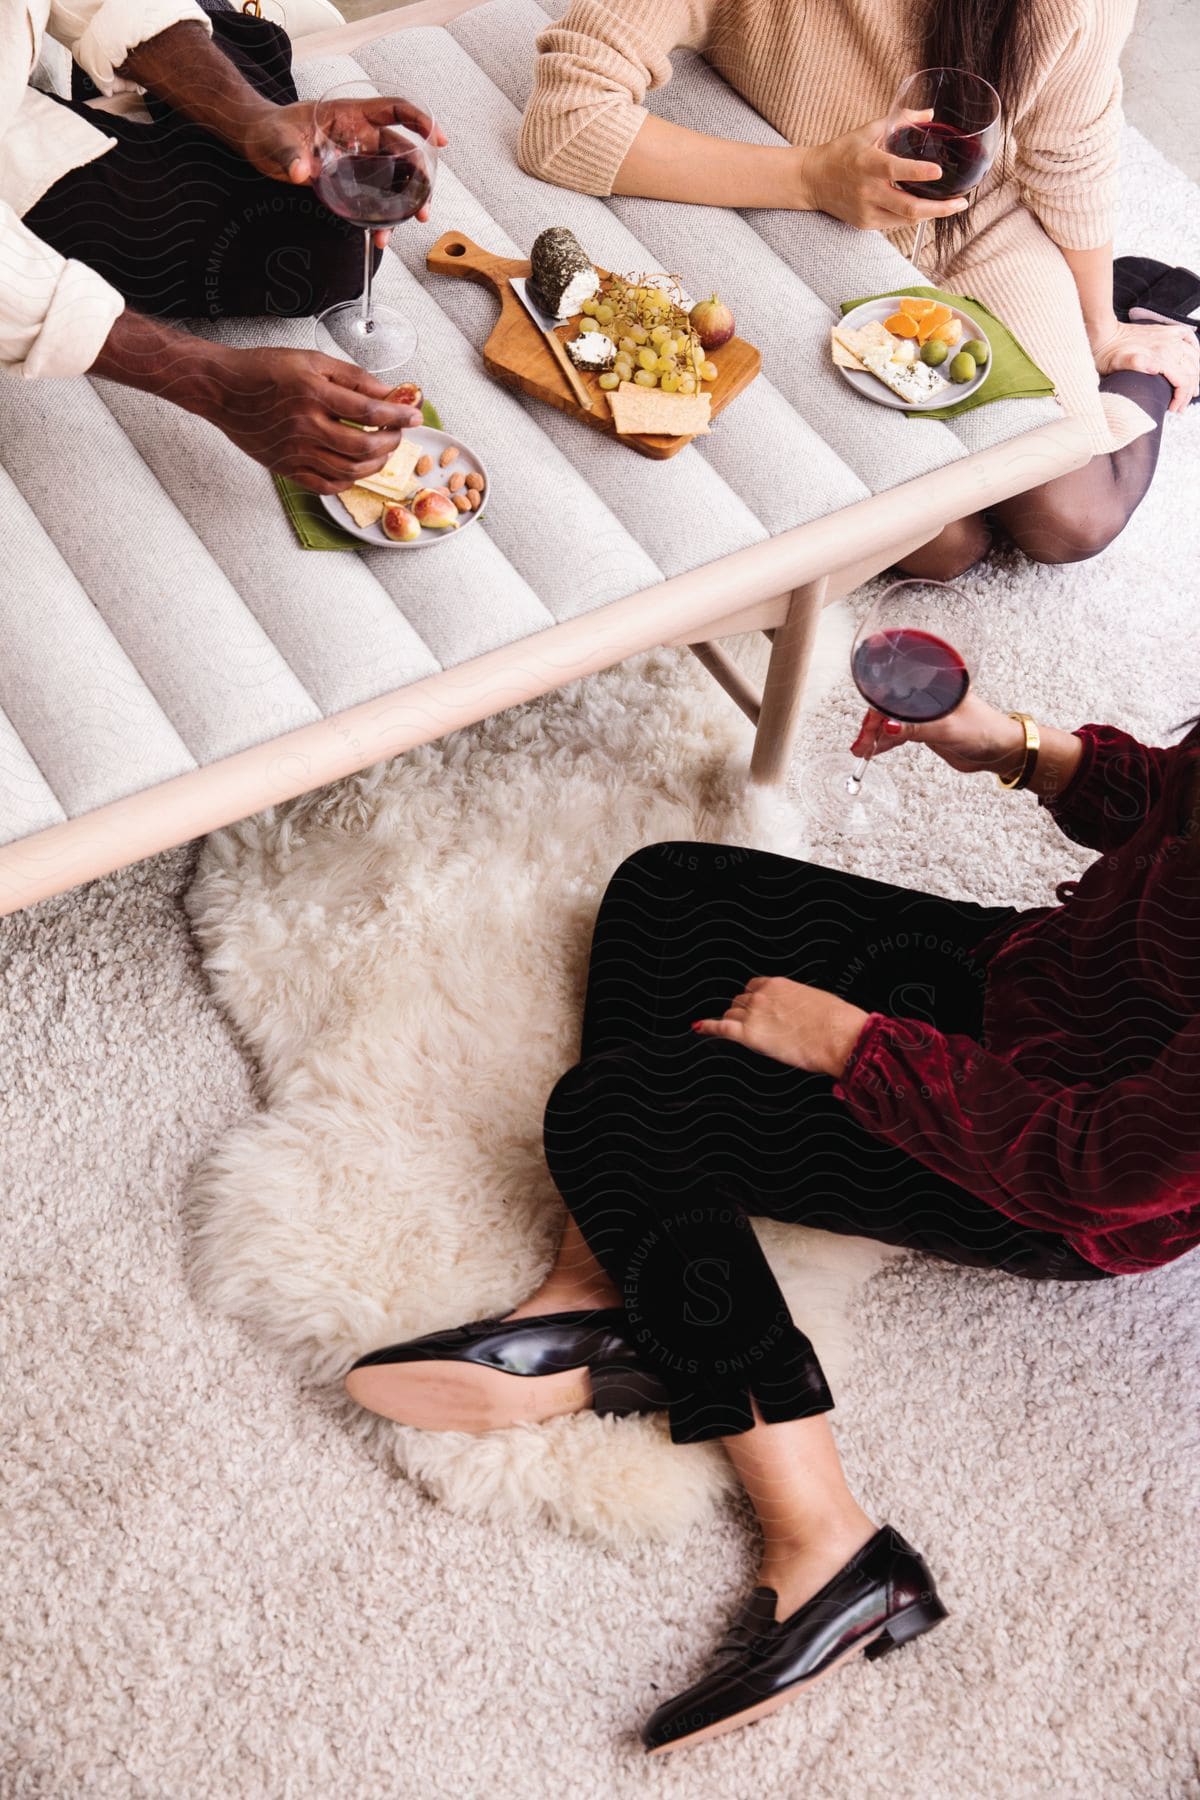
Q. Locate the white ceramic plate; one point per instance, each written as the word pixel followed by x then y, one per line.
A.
pixel 433 443
pixel 873 388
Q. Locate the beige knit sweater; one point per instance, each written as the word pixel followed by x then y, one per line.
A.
pixel 817 68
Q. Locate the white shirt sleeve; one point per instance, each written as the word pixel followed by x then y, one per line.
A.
pixel 54 314
pixel 101 33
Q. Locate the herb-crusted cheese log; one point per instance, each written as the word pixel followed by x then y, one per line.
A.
pixel 560 276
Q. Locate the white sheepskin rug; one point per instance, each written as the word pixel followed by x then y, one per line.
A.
pixel 404 955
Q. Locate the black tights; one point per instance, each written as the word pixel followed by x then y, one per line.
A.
pixel 1078 515
pixel 661 1143
pixel 1074 517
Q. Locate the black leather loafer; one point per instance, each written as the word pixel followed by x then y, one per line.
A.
pixel 883 1597
pixel 499 1372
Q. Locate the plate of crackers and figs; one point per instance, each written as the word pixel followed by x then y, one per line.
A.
pixel 630 355
pixel 428 490
pixel 911 353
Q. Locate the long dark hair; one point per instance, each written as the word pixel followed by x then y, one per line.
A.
pixel 993 38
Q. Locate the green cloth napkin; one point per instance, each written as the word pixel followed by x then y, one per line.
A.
pixel 311 523
pixel 1014 375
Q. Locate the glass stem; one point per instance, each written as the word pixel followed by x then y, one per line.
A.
pixel 858 774
pixel 368 322
pixel 918 243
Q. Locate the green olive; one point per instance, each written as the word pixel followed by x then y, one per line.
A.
pixel 977 350
pixel 963 368
pixel 934 352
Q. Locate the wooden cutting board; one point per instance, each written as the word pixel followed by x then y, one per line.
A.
pixel 516 353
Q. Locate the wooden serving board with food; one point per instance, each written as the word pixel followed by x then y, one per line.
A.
pixel 657 382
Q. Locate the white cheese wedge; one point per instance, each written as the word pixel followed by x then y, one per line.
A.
pixel 581 287
pixel 592 350
pixel 916 384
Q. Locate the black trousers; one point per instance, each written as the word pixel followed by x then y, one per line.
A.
pixel 662 1143
pixel 182 227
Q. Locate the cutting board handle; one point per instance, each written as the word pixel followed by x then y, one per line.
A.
pixel 454 254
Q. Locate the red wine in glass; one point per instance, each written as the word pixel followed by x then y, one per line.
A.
pixel 374 190
pixel 913 659
pixel 964 158
pixel 909 674
pixel 961 134
pixel 376 162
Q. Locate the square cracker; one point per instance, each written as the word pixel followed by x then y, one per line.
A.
pixel 857 338
pixel 641 410
pixel 843 358
pixel 364 508
pixel 396 481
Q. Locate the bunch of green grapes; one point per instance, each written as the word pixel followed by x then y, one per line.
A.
pixel 656 346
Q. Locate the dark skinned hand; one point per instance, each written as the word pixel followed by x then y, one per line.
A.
pixel 286 408
pixel 281 142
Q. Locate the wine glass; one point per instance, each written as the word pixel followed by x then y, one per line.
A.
pixel 963 135
pixel 913 660
pixel 377 159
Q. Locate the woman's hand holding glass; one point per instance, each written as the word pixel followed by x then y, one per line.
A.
pixel 978 739
pixel 854 178
pixel 975 738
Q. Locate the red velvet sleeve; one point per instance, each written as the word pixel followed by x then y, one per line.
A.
pixel 1114 789
pixel 1058 1159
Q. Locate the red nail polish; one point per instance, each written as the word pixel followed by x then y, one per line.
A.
pixel 697 1024
pixel 892 728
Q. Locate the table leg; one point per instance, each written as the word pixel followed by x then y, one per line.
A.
pixel 783 690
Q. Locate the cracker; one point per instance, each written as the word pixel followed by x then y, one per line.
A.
pixel 857 338
pixel 915 383
pixel 641 410
pixel 365 509
pixel 396 480
pixel 843 358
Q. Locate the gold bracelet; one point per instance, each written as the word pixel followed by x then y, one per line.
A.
pixel 1033 743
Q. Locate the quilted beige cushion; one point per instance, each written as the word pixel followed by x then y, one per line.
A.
pixel 157 613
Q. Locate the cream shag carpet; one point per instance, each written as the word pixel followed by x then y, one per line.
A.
pixel 210 1587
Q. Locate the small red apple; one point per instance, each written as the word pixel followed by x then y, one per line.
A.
pixel 712 322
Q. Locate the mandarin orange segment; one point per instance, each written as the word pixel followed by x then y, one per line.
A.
pixel 915 307
pixel 900 325
pixel 931 325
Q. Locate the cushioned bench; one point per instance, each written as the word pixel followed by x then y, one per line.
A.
pixel 172 660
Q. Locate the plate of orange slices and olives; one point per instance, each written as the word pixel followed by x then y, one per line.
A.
pixel 911 353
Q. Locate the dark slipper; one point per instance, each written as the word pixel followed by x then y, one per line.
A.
pixel 1174 293
pixel 1146 292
